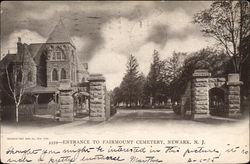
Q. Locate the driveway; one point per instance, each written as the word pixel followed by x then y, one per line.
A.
pixel 124 120
pixel 153 115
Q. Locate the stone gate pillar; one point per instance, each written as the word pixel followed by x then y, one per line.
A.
pixel 234 95
pixel 97 97
pixel 200 94
pixel 66 102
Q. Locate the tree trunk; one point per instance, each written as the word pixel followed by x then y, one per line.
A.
pixel 236 65
pixel 17 113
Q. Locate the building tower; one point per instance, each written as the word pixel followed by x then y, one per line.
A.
pixel 60 56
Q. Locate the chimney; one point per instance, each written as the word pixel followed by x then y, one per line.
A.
pixel 19 40
pixel 20 50
pixel 85 65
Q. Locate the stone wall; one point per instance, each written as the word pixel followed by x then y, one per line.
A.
pixel 98 102
pixel 29 68
pixel 216 82
pixel 199 94
pixel 234 102
pixel 66 102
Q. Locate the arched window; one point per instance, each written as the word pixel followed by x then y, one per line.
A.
pixel 63 74
pixel 72 56
pixel 30 76
pixel 54 75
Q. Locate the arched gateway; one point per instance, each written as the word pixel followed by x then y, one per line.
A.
pixel 93 96
pixel 212 96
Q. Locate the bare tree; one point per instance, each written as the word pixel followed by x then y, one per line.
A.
pixel 16 84
pixel 16 77
pixel 228 23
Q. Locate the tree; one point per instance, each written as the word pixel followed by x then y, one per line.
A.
pixel 116 96
pixel 141 96
pixel 172 65
pixel 129 84
pixel 228 22
pixel 171 70
pixel 14 79
pixel 215 61
pixel 154 84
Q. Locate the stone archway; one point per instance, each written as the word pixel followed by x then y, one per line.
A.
pixel 217 102
pixel 81 104
pixel 202 82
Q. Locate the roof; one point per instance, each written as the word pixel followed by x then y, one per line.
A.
pixel 7 59
pixel 80 66
pixel 41 89
pixel 60 34
pixel 34 48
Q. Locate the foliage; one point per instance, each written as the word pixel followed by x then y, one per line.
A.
pixel 154 85
pixel 215 61
pixel 130 90
pixel 172 67
pixel 228 23
pixel 169 77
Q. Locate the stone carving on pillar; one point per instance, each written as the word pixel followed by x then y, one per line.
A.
pixel 97 89
pixel 234 95
pixel 66 102
pixel 199 94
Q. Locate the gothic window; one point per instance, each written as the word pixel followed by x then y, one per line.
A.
pixel 54 75
pixel 54 56
pixel 63 74
pixel 30 76
pixel 58 55
pixel 63 56
pixel 72 56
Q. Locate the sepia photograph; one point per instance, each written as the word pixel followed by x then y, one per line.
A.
pixel 125 81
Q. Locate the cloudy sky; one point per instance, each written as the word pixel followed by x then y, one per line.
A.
pixel 106 33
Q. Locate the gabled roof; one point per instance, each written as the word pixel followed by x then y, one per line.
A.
pixel 34 48
pixel 60 34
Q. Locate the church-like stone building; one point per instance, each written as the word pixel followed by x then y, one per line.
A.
pixel 54 61
pixel 49 67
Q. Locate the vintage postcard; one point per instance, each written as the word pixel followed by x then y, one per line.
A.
pixel 125 82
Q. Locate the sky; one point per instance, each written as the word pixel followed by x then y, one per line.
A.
pixel 106 33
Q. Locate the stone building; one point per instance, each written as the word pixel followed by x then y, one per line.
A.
pixel 55 75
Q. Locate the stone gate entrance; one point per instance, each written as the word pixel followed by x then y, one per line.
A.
pixel 217 102
pixel 212 96
pixel 92 98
